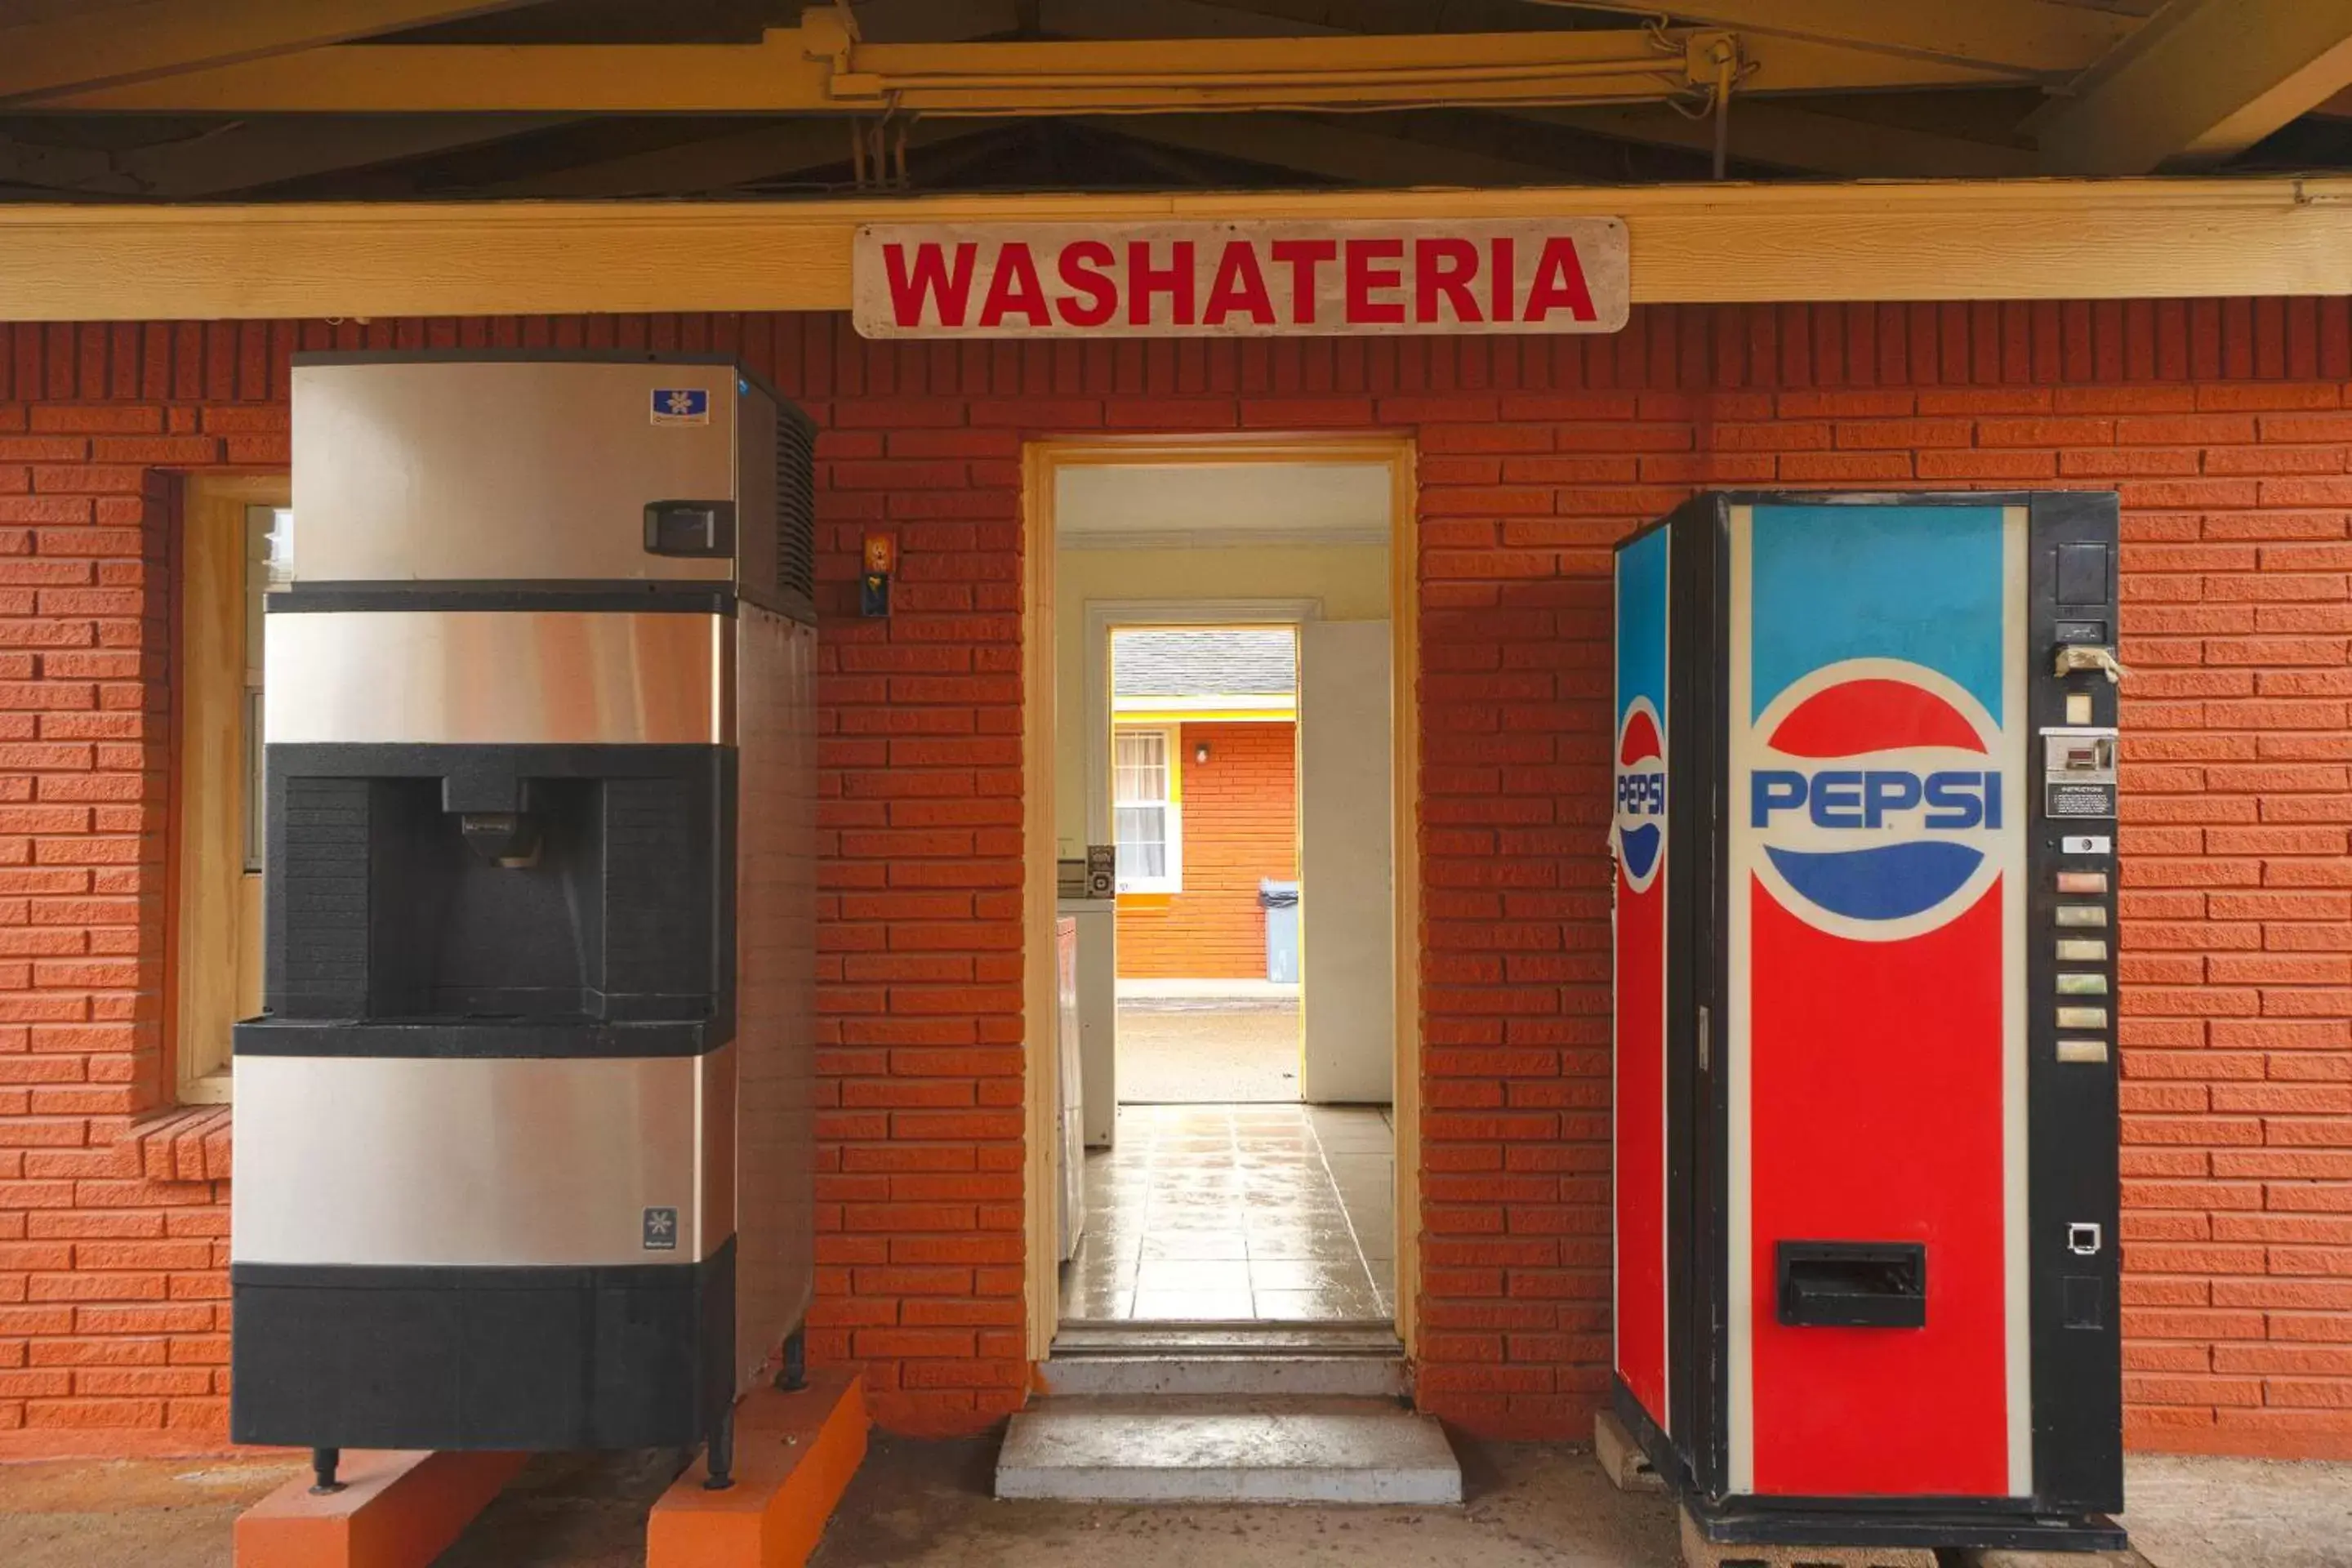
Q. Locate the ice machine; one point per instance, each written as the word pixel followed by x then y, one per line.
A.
pixel 1865 1101
pixel 525 1134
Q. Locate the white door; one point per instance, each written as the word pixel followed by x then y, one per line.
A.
pixel 1346 864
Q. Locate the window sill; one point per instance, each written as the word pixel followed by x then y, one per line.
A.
pixel 184 1143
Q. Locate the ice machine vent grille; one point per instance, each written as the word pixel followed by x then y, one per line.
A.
pixel 795 505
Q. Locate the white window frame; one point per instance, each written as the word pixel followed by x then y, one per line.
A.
pixel 1171 803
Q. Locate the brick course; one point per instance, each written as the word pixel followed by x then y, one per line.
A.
pixel 2224 424
pixel 1241 823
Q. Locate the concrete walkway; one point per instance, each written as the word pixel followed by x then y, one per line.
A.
pixel 1208 1052
pixel 927 1505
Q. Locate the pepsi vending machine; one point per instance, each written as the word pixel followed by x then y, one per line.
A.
pixel 1865 1129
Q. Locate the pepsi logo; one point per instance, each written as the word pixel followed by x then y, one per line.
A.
pixel 1878 797
pixel 1641 819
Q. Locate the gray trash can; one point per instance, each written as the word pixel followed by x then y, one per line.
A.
pixel 1280 902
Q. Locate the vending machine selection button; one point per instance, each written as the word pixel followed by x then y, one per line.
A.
pixel 2082 1018
pixel 2087 844
pixel 2078 916
pixel 2082 881
pixel 2081 949
pixel 2082 984
pixel 2076 1050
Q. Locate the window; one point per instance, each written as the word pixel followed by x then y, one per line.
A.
pixel 1146 811
pixel 234 538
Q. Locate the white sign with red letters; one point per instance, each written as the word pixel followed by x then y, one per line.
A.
pixel 1239 279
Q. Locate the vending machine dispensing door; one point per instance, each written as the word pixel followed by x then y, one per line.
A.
pixel 1865 1108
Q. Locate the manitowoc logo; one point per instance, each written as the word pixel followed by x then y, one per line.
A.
pixel 1640 795
pixel 1877 798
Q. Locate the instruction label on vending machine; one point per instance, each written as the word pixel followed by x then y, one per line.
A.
pixel 2078 778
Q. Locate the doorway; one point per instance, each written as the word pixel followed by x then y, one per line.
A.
pixel 1225 634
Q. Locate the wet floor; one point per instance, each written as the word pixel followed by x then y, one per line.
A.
pixel 1274 1213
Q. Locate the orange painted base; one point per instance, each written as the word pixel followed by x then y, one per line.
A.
pixel 396 1511
pixel 794 1454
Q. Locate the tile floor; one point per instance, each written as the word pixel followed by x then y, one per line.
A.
pixel 1222 1212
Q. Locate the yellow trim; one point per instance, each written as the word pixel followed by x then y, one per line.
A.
pixel 219 950
pixel 1169 718
pixel 1146 901
pixel 1041 1082
pixel 1960 239
pixel 1404 730
pixel 1040 980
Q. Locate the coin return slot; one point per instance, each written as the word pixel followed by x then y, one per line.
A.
pixel 2080 916
pixel 2082 1018
pixel 2082 1050
pixel 2082 986
pixel 2081 949
pixel 2082 881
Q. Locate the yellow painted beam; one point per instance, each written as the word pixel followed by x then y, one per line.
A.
pixel 2201 81
pixel 83 48
pixel 1947 240
pixel 2029 38
pixel 818 68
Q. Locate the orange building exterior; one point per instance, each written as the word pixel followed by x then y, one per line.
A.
pixel 1241 825
pixel 2224 424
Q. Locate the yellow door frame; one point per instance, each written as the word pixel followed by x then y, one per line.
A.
pixel 1041 461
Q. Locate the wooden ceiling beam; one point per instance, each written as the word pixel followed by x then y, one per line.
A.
pixel 99 47
pixel 2031 239
pixel 2026 37
pixel 1784 136
pixel 2202 81
pixel 712 164
pixel 1358 154
pixel 818 68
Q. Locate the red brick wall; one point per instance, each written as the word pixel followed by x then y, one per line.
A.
pixel 1241 823
pixel 2225 424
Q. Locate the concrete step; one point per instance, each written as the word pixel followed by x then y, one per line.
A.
pixel 1174 1449
pixel 1248 1374
pixel 1128 1336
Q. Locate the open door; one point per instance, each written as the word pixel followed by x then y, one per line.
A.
pixel 1347 863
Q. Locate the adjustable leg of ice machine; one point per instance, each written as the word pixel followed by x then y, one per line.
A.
pixel 792 1376
pixel 722 1453
pixel 324 1463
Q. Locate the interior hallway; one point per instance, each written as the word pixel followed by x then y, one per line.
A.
pixel 1234 1213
